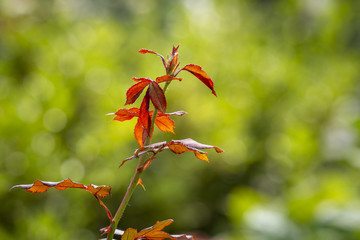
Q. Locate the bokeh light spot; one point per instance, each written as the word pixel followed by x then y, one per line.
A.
pixel 54 120
pixel 43 143
pixel 16 163
pixel 73 169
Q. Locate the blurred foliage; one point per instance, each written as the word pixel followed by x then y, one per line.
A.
pixel 287 114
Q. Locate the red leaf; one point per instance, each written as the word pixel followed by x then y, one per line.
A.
pixel 157 96
pixel 175 49
pixel 166 78
pixel 140 134
pixel 165 124
pixel 144 115
pixel 134 91
pixel 201 75
pixel 143 51
pixel 125 114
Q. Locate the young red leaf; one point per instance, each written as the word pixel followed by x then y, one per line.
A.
pixel 125 114
pixel 201 75
pixel 143 51
pixel 140 133
pixel 166 78
pixel 157 96
pixel 134 91
pixel 175 49
pixel 165 124
pixel 144 115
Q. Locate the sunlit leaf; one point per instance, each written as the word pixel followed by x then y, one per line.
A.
pixel 194 144
pixel 129 234
pixel 157 227
pixel 157 96
pixel 162 121
pixel 201 75
pixel 144 115
pixel 134 91
pixel 165 124
pixel 143 51
pixel 178 147
pixel 139 133
pixel 101 191
pixel 42 186
pixel 188 144
pixel 166 78
pixel 125 114
pixel 152 233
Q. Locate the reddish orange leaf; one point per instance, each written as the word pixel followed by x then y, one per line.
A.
pixel 165 124
pixel 157 96
pixel 134 91
pixel 129 234
pixel 144 115
pixel 42 186
pixel 139 132
pixel 156 228
pixel 101 191
pixel 178 147
pixel 152 233
pixel 166 78
pixel 143 51
pixel 162 121
pixel 175 49
pixel 201 75
pixel 125 114
pixel 194 144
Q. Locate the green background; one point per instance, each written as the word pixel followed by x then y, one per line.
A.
pixel 287 115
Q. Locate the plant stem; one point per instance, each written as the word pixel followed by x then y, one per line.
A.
pixel 130 190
